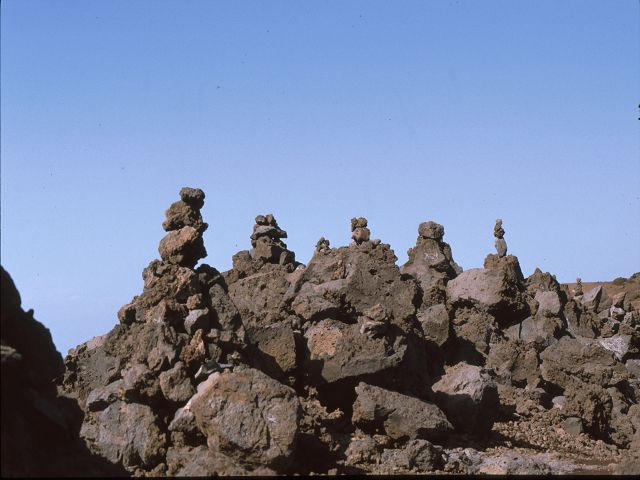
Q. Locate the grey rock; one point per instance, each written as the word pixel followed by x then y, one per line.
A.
pixel 184 420
pixel 501 247
pixel 401 416
pixel 127 433
pixel 101 397
pixel 591 299
pixel 197 319
pixel 569 360
pixel 469 397
pixel 249 416
pixel 337 351
pixel 633 367
pixel 498 288
pixel 176 385
pixel 181 214
pixel 573 426
pixel 620 345
pixel 415 455
pixel 549 303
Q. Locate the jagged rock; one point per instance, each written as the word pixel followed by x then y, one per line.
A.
pixel 181 214
pixel 101 397
pixel 175 384
pixel 275 351
pixel 416 455
pixel 579 321
pixel 200 461
pixel 126 433
pixel 197 319
pixel 249 416
pixel 497 288
pixel 475 330
pixel 592 405
pixel 514 363
pixel 468 396
pixel 338 351
pixel 323 245
pixel 621 345
pixel 540 329
pixel 549 303
pixel 435 323
pixel 431 262
pixel 591 299
pixel 569 359
pixel 347 281
pixel 501 244
pixel 192 196
pixel 182 247
pixel 359 231
pixel 401 416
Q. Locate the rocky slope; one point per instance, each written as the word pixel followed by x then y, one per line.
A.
pixel 351 364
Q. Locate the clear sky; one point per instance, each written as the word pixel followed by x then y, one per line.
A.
pixel 317 111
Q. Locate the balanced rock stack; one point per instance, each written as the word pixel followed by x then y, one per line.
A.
pixel 359 231
pixel 501 244
pixel 267 244
pixel 183 245
pixel 134 382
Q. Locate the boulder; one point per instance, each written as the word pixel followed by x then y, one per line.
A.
pixel 569 360
pixel 469 397
pixel 338 351
pixel 401 416
pixel 497 289
pixel 175 384
pixel 591 299
pixel 182 247
pixel 419 456
pixel 274 351
pixel 126 433
pixel 549 303
pixel 248 416
pixel 435 323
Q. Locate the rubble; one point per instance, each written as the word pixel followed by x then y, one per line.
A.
pixel 347 365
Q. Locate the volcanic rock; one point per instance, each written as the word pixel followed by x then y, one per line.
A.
pixel 401 416
pixel 468 396
pixel 269 411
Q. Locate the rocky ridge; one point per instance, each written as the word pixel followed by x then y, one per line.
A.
pixel 351 364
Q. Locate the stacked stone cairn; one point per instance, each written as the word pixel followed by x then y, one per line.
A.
pixel 348 364
pixel 500 243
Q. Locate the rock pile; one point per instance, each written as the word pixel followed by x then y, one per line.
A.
pixel 348 364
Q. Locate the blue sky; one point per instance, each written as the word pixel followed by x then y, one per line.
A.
pixel 317 111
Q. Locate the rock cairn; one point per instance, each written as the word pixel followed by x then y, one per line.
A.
pixel 266 241
pixel 184 245
pixel 348 364
pixel 322 245
pixel 359 231
pixel 500 243
pixel 431 263
pixel 577 292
